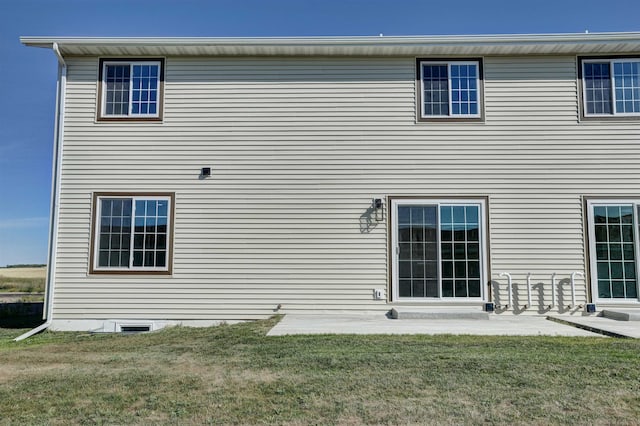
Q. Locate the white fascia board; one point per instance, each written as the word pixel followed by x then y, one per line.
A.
pixel 437 39
pixel 496 44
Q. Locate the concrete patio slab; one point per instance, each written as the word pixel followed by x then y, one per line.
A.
pixel 621 315
pixel 378 323
pixel 412 312
pixel 602 325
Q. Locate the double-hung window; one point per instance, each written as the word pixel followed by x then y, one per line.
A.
pixel 131 90
pixel 132 233
pixel 610 87
pixel 450 89
pixel 613 247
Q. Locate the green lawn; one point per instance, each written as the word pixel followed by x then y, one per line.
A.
pixel 237 375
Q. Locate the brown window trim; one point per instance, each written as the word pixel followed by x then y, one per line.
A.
pixel 450 119
pixel 586 242
pixel 611 117
pixel 94 226
pixel 586 199
pixel 99 112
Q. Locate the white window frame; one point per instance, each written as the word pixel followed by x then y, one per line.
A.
pixel 131 268
pixel 451 115
pixel 593 265
pixel 481 203
pixel 130 114
pixel 612 87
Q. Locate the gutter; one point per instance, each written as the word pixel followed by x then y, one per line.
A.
pixel 549 38
pixel 396 46
pixel 55 197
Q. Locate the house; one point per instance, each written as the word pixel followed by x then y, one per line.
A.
pixel 200 180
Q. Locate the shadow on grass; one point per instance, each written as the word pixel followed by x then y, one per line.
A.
pixel 21 315
pixel 21 322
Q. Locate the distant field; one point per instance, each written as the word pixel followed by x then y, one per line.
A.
pixel 39 272
pixel 29 280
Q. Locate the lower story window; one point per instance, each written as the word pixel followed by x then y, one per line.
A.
pixel 438 249
pixel 613 241
pixel 132 233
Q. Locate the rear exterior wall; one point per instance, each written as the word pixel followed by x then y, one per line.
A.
pixel 298 148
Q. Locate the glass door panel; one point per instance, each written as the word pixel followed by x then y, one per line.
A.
pixel 615 252
pixel 417 247
pixel 460 245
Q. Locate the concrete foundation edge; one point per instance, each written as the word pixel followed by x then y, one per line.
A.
pixel 116 325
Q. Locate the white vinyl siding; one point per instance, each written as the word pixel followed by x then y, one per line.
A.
pixel 298 148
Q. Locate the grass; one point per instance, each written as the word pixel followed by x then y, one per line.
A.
pixel 237 375
pixel 27 280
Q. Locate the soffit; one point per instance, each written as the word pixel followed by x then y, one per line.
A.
pixel 545 44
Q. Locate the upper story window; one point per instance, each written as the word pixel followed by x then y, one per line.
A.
pixel 610 87
pixel 450 89
pixel 131 89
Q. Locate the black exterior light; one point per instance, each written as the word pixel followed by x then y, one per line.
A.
pixel 205 172
pixel 378 209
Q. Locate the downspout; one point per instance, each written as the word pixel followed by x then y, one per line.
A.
pixel 55 196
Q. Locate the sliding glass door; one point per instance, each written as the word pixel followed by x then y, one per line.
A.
pixel 438 249
pixel 613 243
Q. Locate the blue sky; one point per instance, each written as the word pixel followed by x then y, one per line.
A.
pixel 28 75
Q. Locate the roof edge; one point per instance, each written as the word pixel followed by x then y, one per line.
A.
pixel 44 41
pixel 351 45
